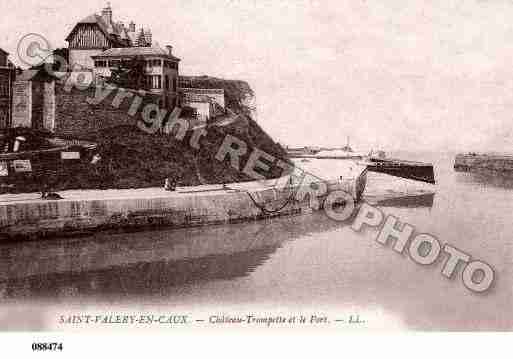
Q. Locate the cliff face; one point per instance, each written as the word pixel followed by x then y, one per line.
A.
pixel 78 116
pixel 239 96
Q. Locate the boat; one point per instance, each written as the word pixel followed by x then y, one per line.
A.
pixel 417 171
pixel 374 162
pixel 345 152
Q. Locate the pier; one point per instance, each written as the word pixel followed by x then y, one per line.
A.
pixel 494 162
pixel 25 216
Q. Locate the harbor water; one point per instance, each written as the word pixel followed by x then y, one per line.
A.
pixel 299 264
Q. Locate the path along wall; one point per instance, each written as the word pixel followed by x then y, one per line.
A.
pixel 158 208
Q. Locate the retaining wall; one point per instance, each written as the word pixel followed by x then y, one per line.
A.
pixel 155 208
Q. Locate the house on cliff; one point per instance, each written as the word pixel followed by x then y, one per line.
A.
pixel 160 69
pixel 96 33
pixel 44 102
pixel 98 44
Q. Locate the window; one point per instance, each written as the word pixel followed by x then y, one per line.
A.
pixel 154 82
pixel 167 82
pixel 100 63
pixel 174 84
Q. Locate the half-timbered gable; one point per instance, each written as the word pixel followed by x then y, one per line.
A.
pixel 88 36
pixel 96 33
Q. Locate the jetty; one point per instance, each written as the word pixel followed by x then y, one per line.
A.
pixel 27 216
pixel 475 161
pixel 418 171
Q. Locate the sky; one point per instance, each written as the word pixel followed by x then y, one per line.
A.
pixel 393 75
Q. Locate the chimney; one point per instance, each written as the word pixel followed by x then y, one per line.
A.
pixel 131 26
pixel 107 14
pixel 169 50
pixel 148 37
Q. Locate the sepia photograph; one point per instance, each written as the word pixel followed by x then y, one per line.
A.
pixel 242 165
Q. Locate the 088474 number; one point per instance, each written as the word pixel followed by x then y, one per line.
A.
pixel 43 347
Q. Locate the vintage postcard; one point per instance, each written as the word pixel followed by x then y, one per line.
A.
pixel 299 165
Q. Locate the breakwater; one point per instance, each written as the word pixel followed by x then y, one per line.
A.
pixel 84 211
pixel 493 162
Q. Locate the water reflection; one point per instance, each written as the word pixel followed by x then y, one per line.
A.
pixel 154 263
pixel 424 200
pixel 144 263
pixel 120 265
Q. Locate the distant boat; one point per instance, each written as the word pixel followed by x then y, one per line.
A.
pixel 374 162
pixel 345 152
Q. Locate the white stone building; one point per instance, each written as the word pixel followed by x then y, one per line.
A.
pixel 161 68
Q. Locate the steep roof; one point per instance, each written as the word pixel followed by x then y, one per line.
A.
pixel 3 51
pixel 108 29
pixel 136 51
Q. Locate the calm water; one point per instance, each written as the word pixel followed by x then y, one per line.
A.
pixel 303 263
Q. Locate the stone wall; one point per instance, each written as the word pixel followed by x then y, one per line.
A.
pixel 49 106
pixel 466 162
pixel 38 102
pixel 6 76
pixel 76 116
pixel 156 208
pixel 34 104
pixel 22 104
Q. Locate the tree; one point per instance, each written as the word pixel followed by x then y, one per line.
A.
pixel 130 74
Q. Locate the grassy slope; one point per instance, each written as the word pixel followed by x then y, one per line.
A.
pixel 132 158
